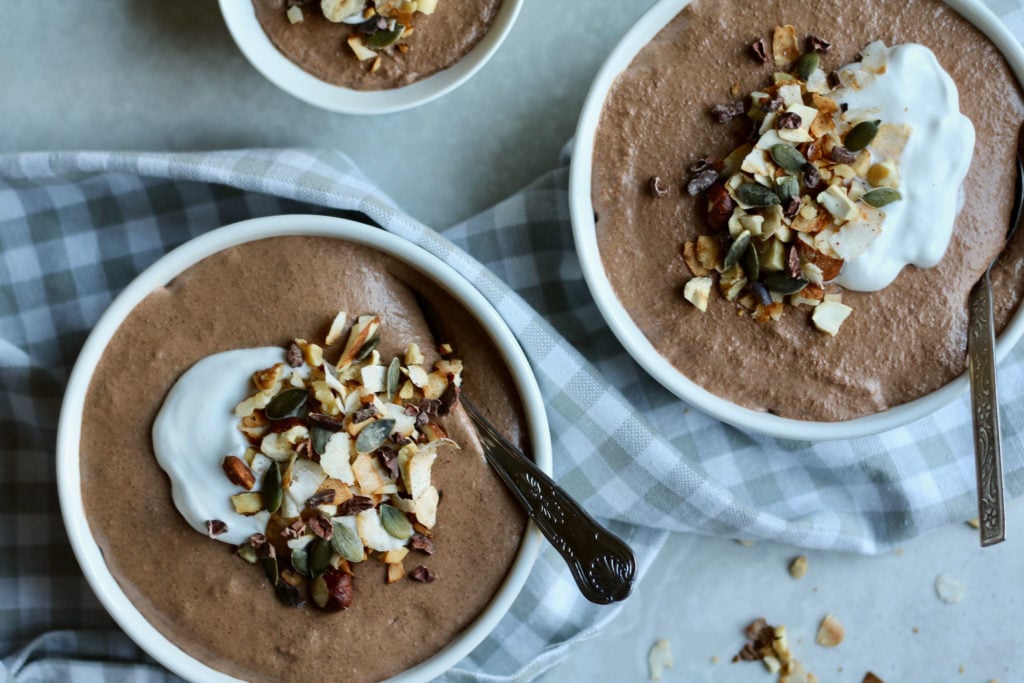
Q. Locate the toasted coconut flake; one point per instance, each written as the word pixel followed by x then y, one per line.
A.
pixel 659 659
pixel 373 534
pixel 337 328
pixel 413 356
pixel 396 572
pixel 369 473
pixel 362 331
pixel 425 507
pixel 395 556
pixel 785 47
pixel 698 291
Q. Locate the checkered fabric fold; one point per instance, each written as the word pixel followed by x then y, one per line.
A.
pixel 76 228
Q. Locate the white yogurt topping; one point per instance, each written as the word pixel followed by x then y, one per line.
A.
pixel 196 428
pixel 914 90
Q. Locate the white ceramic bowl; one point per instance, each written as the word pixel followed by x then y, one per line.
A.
pixel 631 337
pixel 166 269
pixel 240 17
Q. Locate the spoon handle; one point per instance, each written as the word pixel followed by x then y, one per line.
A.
pixel 601 563
pixel 985 406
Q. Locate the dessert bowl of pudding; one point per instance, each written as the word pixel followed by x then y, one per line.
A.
pixel 365 57
pixel 264 467
pixel 781 215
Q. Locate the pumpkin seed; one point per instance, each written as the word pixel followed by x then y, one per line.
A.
pixel 273 490
pixel 319 438
pixel 861 135
pixel 788 157
pixel 247 553
pixel 392 377
pixel 383 39
pixel 787 187
pixel 395 522
pixel 374 435
pixel 751 264
pixel 737 249
pixel 806 65
pixel 287 404
pixel 880 196
pixel 269 565
pixel 300 560
pixel 368 348
pixel 319 592
pixel 347 543
pixel 753 194
pixel 319 557
pixel 784 284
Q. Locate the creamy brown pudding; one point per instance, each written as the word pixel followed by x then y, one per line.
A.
pixel 320 47
pixel 196 591
pixel 899 343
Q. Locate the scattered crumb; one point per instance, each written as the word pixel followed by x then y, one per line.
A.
pixel 798 567
pixel 974 523
pixel 961 669
pixel 871 678
pixel 915 629
pixel 830 632
pixel 949 589
pixel 659 658
pixel 744 542
pixel 769 645
pixel 714 659
pixel 897 552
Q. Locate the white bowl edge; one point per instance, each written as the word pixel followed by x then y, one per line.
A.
pixel 632 338
pixel 162 271
pixel 252 41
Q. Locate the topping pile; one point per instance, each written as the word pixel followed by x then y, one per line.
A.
pixel 803 195
pixel 378 24
pixel 343 454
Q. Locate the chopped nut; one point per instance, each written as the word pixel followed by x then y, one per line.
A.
pixel 872 678
pixel 247 503
pixel 362 53
pixel 949 589
pixel 692 261
pixel 829 316
pixel 337 327
pixel 798 567
pixel 785 48
pixel 238 472
pixel 830 632
pixel 698 291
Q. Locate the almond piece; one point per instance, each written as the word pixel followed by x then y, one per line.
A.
pixel 247 503
pixel 238 472
pixel 830 632
pixel 396 572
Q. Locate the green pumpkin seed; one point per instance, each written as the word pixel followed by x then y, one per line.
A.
pixel 270 567
pixel 395 522
pixel 788 157
pixel 806 65
pixel 247 553
pixel 787 187
pixel 751 264
pixel 319 592
pixel 272 490
pixel 300 560
pixel 347 543
pixel 392 377
pixel 287 404
pixel 319 557
pixel 784 284
pixel 880 196
pixel 382 39
pixel 374 435
pixel 319 438
pixel 753 194
pixel 368 348
pixel 861 135
pixel 737 249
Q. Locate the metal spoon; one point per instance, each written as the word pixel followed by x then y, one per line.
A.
pixel 982 372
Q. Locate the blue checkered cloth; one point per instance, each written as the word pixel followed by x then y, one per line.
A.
pixel 76 228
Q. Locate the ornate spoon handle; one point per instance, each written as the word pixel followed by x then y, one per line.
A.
pixel 601 563
pixel 982 372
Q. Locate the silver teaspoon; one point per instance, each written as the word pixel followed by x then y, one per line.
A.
pixel 600 562
pixel 982 372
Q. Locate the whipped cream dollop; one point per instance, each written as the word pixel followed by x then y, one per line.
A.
pixel 196 428
pixel 916 91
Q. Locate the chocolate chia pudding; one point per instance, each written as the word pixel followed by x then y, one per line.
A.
pixel 195 590
pixel 320 46
pixel 899 343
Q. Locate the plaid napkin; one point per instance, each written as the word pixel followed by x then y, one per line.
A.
pixel 76 228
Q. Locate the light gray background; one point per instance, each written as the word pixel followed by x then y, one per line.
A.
pixel 165 75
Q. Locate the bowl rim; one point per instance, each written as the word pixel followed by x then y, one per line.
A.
pixel 633 339
pixel 84 545
pixel 256 46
